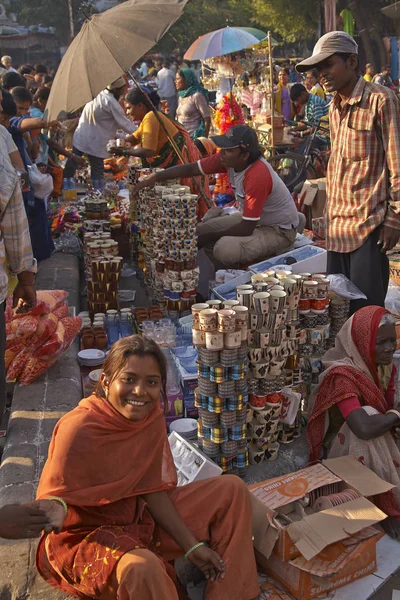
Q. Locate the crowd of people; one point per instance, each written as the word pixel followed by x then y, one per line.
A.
pixel 115 530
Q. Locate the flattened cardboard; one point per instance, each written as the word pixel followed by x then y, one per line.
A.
pixel 362 479
pixel 314 533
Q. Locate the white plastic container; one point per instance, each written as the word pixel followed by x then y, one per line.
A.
pixel 313 264
pixel 201 468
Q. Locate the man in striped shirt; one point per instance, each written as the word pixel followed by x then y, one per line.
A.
pixel 315 109
pixel 363 179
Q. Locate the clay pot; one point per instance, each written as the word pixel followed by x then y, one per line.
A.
pixel 88 341
pixel 101 341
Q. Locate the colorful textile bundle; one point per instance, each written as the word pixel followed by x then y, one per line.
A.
pixel 35 340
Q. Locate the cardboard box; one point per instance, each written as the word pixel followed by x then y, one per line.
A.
pixel 335 567
pixel 312 199
pixel 284 526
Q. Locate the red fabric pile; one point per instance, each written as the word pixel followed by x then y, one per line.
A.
pixel 35 340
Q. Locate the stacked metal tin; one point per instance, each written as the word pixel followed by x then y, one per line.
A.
pixel 222 394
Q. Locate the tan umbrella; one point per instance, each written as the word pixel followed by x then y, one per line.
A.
pixel 106 47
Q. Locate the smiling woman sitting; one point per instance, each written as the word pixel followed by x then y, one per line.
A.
pixel 117 517
pixel 353 407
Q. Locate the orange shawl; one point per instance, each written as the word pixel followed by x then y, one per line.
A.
pixel 97 456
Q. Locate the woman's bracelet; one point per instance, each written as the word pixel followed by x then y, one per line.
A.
pixel 61 501
pixel 394 411
pixel 193 548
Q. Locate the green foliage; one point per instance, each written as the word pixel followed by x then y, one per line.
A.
pixel 292 19
pixel 203 16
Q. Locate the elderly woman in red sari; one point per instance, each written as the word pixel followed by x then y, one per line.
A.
pixel 116 517
pixel 153 145
pixel 352 409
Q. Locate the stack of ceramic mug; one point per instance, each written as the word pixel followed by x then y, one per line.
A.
pixel 175 245
pixel 315 325
pixel 274 331
pixel 103 284
pixel 220 336
pixel 147 211
pixel 263 426
pixel 339 312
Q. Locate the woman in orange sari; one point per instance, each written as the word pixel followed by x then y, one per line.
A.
pixel 154 147
pixel 116 515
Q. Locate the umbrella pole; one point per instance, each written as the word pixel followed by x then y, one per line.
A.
pixel 271 85
pixel 171 139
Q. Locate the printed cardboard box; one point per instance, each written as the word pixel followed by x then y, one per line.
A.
pixel 312 199
pixel 284 526
pixel 336 566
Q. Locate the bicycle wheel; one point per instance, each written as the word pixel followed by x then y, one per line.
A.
pixel 289 167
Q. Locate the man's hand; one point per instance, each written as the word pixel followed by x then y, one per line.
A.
pixel 24 297
pixel 149 182
pixel 388 238
pixel 22 521
pixel 55 515
pixel 78 160
pixel 54 125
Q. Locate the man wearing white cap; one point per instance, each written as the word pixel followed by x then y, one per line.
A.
pixel 363 178
pixel 99 122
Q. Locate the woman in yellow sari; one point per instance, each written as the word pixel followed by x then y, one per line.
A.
pixel 152 144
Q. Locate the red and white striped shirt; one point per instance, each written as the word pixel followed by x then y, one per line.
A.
pixel 363 179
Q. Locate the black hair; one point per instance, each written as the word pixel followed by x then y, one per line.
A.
pixel 136 96
pixel 41 68
pixel 314 72
pixel 12 80
pixel 47 79
pixel 21 94
pixel 8 104
pixel 253 156
pixel 42 93
pixel 345 57
pixel 285 70
pixel 25 70
pixel 200 146
pixel 296 91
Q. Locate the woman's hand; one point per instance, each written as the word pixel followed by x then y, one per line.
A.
pixel 149 182
pixel 55 514
pixel 209 563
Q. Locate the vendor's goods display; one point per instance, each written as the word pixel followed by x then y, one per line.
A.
pixel 36 339
pixel 103 276
pixel 168 231
pixel 288 332
pixel 106 328
pixel 315 336
pixel 272 300
pixel 222 394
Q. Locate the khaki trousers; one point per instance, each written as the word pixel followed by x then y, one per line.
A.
pixel 234 251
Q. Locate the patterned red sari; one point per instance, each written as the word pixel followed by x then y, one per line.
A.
pixel 351 372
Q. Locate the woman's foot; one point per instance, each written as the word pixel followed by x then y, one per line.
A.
pixel 391 526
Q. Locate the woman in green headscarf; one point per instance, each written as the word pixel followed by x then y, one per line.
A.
pixel 193 111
